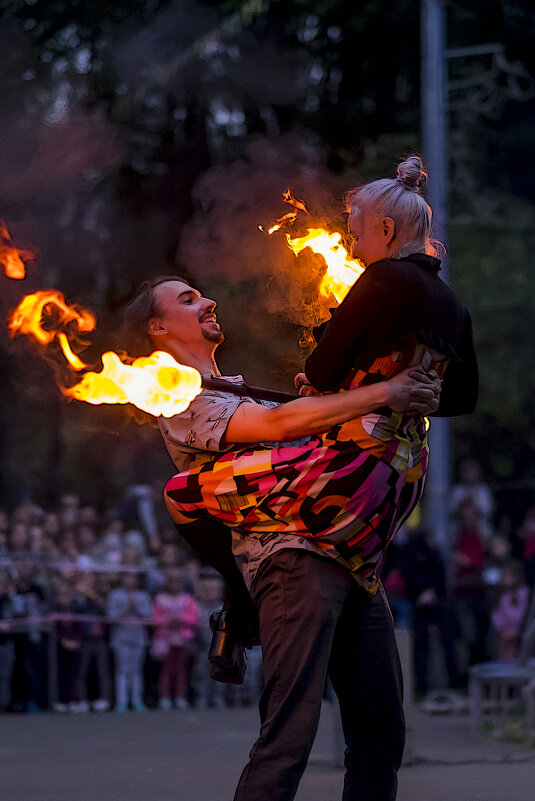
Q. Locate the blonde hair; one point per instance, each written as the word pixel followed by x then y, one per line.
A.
pixel 400 198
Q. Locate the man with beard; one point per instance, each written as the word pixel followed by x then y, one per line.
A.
pixel 314 616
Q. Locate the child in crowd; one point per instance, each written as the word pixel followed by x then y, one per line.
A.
pixel 176 615
pixel 129 640
pixel 91 600
pixel 68 634
pixel 508 615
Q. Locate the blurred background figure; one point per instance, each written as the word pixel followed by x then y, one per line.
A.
pixel 423 570
pixel 176 616
pixel 129 640
pixel 31 673
pixel 68 634
pixel 394 582
pixel 69 512
pixel 510 611
pixel 90 599
pixel 137 510
pixel 472 489
pixel 208 693
pixel 109 548
pixel 469 558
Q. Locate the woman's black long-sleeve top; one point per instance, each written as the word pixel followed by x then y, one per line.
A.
pixel 395 298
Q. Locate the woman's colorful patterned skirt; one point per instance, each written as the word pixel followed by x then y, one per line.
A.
pixel 350 488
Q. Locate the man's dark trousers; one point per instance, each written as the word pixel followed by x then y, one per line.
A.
pixel 314 620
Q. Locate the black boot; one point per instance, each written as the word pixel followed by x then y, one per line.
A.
pixel 226 654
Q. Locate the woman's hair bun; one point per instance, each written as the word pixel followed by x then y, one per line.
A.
pixel 411 173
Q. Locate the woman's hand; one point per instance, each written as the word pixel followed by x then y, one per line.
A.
pixel 414 390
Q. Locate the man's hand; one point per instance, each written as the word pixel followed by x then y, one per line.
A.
pixel 414 390
pixel 304 386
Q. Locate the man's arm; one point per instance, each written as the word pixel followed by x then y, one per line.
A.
pixel 312 415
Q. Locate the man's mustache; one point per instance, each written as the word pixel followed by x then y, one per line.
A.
pixel 210 313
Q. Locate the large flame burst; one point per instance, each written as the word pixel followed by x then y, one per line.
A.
pixel 342 271
pixel 156 384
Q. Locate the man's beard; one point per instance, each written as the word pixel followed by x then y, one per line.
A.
pixel 213 336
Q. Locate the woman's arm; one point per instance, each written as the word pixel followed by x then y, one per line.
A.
pixel 312 415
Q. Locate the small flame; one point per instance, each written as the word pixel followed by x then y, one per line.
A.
pixel 342 272
pixel 291 215
pixel 28 316
pixel 156 384
pixel 11 258
pixel 75 362
pixel 298 204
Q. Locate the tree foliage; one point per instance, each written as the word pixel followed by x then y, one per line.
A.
pixel 146 136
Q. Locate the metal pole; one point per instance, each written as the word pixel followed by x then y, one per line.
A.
pixel 434 124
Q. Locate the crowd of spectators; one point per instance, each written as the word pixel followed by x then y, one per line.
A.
pixel 97 614
pixel 110 611
pixel 471 604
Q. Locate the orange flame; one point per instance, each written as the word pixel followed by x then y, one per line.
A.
pixel 75 362
pixel 156 384
pixel 11 258
pixel 28 316
pixel 342 271
pixel 291 215
pixel 298 204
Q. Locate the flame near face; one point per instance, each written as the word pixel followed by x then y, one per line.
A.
pixel 342 271
pixel 156 384
pixel 11 258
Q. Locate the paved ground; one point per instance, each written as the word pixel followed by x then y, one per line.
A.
pixel 197 756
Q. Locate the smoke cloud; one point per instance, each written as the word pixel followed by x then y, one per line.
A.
pixel 223 243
